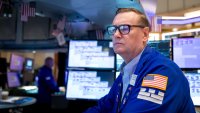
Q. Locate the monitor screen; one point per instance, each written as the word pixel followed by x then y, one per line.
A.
pixel 88 84
pixel 119 61
pixel 117 73
pixel 28 64
pixel 13 79
pixel 186 52
pixel 194 81
pixel 163 46
pixel 91 54
pixel 16 62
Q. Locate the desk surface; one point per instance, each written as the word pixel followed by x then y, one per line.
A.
pixel 16 101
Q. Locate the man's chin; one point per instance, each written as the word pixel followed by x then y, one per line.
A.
pixel 118 51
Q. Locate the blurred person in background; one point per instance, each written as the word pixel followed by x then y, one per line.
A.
pixel 46 85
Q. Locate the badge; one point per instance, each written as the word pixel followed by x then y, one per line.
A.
pixel 48 78
pixel 133 79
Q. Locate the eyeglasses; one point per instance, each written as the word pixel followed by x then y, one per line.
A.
pixel 123 29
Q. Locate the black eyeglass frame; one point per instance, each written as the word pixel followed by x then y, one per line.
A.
pixel 118 28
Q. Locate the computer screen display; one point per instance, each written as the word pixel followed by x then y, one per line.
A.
pixel 194 81
pixel 163 46
pixel 16 62
pixel 88 84
pixel 91 54
pixel 117 73
pixel 13 79
pixel 186 52
pixel 119 61
pixel 28 64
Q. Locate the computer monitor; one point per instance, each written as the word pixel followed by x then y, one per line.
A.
pixel 16 62
pixel 91 54
pixel 88 84
pixel 163 46
pixel 186 52
pixel 28 64
pixel 119 61
pixel 117 73
pixel 13 79
pixel 194 81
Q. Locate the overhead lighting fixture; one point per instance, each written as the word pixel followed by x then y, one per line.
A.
pixel 190 17
pixel 181 21
pixel 175 29
pixel 4 15
pixel 33 52
pixel 179 32
pixel 173 18
pixel 192 14
pixel 9 15
pixel 40 14
pixel 186 16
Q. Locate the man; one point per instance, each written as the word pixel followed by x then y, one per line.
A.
pixel 148 81
pixel 46 84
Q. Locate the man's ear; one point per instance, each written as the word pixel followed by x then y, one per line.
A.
pixel 146 31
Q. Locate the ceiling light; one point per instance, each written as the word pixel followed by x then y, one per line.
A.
pixel 40 14
pixel 192 14
pixel 4 15
pixel 33 52
pixel 179 32
pixel 9 15
pixel 175 29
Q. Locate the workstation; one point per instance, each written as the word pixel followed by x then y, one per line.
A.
pixel 74 34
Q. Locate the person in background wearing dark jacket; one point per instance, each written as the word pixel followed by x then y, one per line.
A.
pixel 46 84
pixel 148 81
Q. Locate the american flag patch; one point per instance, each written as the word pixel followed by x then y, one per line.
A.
pixel 155 81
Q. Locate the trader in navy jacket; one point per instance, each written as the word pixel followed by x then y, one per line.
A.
pixel 148 81
pixel 46 84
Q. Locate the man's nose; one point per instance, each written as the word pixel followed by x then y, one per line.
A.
pixel 117 34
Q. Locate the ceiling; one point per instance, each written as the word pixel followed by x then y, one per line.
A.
pixel 101 12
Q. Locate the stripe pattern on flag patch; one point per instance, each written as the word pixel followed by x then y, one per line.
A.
pixel 155 81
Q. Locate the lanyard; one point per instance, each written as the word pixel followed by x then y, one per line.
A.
pixel 125 98
pixel 127 94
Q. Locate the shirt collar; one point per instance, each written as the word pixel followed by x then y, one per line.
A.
pixel 128 69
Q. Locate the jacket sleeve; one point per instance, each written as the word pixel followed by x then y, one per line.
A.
pixel 49 81
pixel 52 84
pixel 175 99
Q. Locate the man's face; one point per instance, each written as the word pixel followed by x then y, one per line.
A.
pixel 131 44
pixel 50 63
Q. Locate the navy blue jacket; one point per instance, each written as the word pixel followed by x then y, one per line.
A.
pixel 160 87
pixel 46 85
